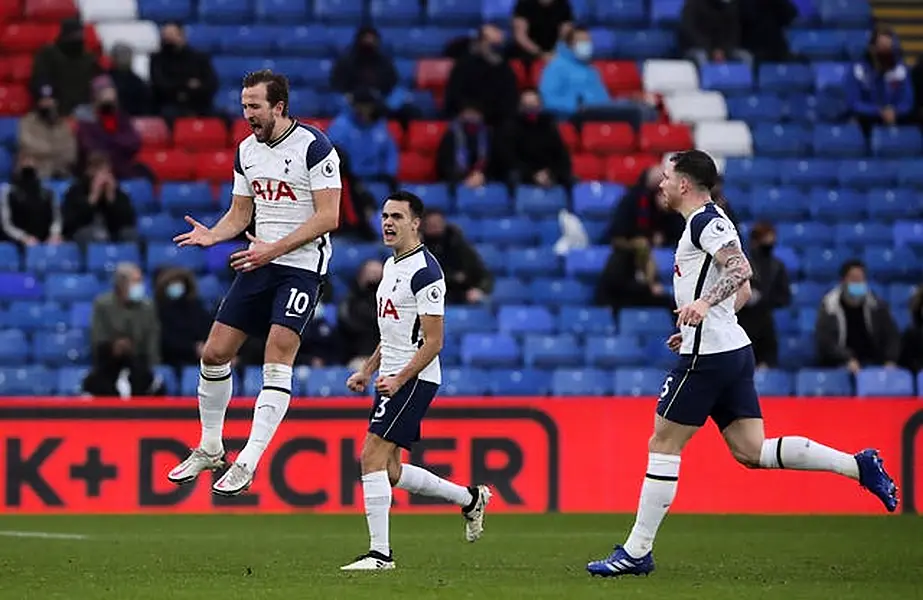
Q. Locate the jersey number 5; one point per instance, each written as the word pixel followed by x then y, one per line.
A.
pixel 666 387
pixel 297 302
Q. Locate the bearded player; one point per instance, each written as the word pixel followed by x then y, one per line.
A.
pixel 714 377
pixel 287 175
pixel 411 306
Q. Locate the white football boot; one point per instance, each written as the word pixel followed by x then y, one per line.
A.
pixel 235 481
pixel 474 517
pixel 198 461
pixel 373 561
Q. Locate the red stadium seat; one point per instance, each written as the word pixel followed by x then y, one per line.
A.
pixel 416 168
pixel 155 135
pixel 10 10
pixel 17 67
pixel 424 136
pixel 49 10
pixel 191 133
pixel 569 135
pixel 627 169
pixel 659 138
pixel 537 68
pixel 619 76
pixel 608 138
pixel 168 165
pixel 587 167
pixel 523 75
pixel 433 74
pixel 14 99
pixel 91 39
pixel 397 132
pixel 27 37
pixel 319 123
pixel 215 167
pixel 240 131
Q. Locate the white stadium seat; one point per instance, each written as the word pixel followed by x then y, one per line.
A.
pixel 670 76
pixel 730 138
pixel 696 107
pixel 107 11
pixel 141 65
pixel 142 36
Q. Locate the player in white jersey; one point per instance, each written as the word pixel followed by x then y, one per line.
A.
pixel 288 175
pixel 714 377
pixel 411 309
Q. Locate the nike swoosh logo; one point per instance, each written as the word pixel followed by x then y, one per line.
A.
pixel 249 167
pixel 291 314
pixel 375 421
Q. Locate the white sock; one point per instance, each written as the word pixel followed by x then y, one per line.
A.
pixel 657 493
pixel 268 412
pixel 376 490
pixel 418 480
pixel 801 454
pixel 215 390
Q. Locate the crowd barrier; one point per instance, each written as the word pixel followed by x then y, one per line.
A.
pixel 539 454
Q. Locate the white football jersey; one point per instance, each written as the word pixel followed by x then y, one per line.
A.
pixel 694 271
pixel 281 177
pixel 411 285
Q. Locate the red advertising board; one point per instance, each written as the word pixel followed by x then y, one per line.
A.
pixel 568 455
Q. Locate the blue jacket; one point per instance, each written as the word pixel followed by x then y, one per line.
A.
pixel 868 91
pixel 371 149
pixel 568 83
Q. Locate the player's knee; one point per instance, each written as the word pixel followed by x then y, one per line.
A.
pixel 747 455
pixel 374 456
pixel 394 473
pixel 214 354
pixel 281 347
pixel 663 443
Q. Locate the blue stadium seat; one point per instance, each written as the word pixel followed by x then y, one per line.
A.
pixel 899 294
pixel 72 347
pixel 666 12
pixel 283 11
pixel 184 198
pixel 420 42
pixel 141 192
pixel 489 200
pixel 641 44
pixel 909 233
pixel 790 258
pixel 325 382
pixel 837 204
pixel 497 11
pixel 823 382
pixel 535 201
pixel 453 12
pixel 469 319
pixel 805 109
pixel 395 12
pixel 205 37
pixel 842 141
pixel 60 258
pixel 31 315
pixel 596 200
pixel 217 257
pixel 462 381
pixel 434 195
pixel 307 40
pixel 493 258
pixel 189 381
pixel 167 377
pixel 519 382
pixel 756 108
pixel 533 262
pixel 346 12
pixel 752 171
pixel 580 382
pixel 664 260
pixel 899 262
pixel 252 381
pixel 861 234
pixel 845 13
pixel 550 351
pixel 884 381
pixel 490 350
pixel 586 263
pixel 517 320
pixel 162 11
pixel 920 384
pixel 773 382
pixel 817 45
pixel 646 321
pixel 865 174
pixel 549 231
pixel 103 258
pixel 70 380
pixel 806 318
pixel 785 78
pixel 559 292
pixel 638 382
pixel 9 256
pixel 211 289
pixel 822 264
pixel 14 347
pixel 781 140
pixel 164 255
pixel 726 77
pixel 583 320
pixel 510 290
pixel 776 204
pixel 605 42
pixel 805 233
pixel 894 204
pixel 57 287
pixel 830 76
pixel 908 172
pixel 251 40
pixel 225 11
pixel 614 351
pixel 26 381
pixel 795 352
pixel 625 13
pixel 347 258
pixel 159 227
pixel 896 142
pixel 808 293
pixel 80 315
pixel 9 132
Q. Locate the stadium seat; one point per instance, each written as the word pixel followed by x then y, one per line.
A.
pixel 816 45
pixel 168 165
pixel 884 381
pixel 395 12
pixel 779 204
pixel 538 202
pixel 424 136
pixel 416 168
pixel 896 141
pixel 595 200
pixel 491 199
pixel 559 292
pixel 43 258
pixel 532 262
pixel 189 381
pixel 14 347
pixel 638 382
pixel 581 320
pixel 460 320
pixel 614 351
pixel 26 381
pixel 665 13
pixel 14 100
pixel 608 138
pixel 669 76
pixel 645 322
pixel 16 68
pixel 170 255
pixel 516 382
pixel 103 258
pixel 185 198
pixel 785 78
pixel 54 349
pixel 660 137
pixel 822 264
pixel 696 107
pixel 845 13
pixel 823 382
pixel 214 166
pixel 808 293
pixel 908 233
pixel 70 380
pixel 141 193
pixel 842 141
pixel 453 12
pixel 517 320
pixel 192 133
pixel 586 263
pixel 580 382
pixel 32 316
pixel 20 286
pixel 551 351
pixel 866 174
pixel 773 382
pixel 509 231
pixel 861 234
pixel 160 227
pixel 490 350
pixel 807 173
pixel 282 11
pixel 619 76
pixel 726 77
pixel 588 167
pixel 899 263
pixel 433 74
pixel 781 140
pixel 154 132
pixel 627 169
pixel 225 11
pixel 729 138
pixel 463 381
pixel 889 205
pixel 27 37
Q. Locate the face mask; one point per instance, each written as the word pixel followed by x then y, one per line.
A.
pixel 169 47
pixel 107 108
pixel 857 289
pixel 46 113
pixel 176 290
pixel 28 175
pixel 767 248
pixel 583 50
pixel 136 292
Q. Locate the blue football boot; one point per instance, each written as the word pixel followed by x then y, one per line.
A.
pixel 874 478
pixel 621 563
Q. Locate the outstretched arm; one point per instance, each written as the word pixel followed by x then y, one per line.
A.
pixel 735 270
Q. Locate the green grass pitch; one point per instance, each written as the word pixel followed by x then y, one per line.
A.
pixel 287 557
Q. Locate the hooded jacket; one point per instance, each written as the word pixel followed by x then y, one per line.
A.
pixel 873 86
pixel 830 329
pixel 371 149
pixel 569 83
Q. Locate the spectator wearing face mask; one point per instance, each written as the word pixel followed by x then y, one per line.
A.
pixel 538 25
pixel 184 322
pixel 467 279
pixel 533 146
pixel 468 152
pixel 48 138
pixel 96 209
pixel 879 90
pixel 362 132
pixel 912 341
pixel 183 80
pixel 133 93
pixel 29 212
pixel 67 67
pixel 854 327
pixel 709 31
pixel 357 318
pixel 125 337
pixel 484 78
pixel 110 132
pixel 770 291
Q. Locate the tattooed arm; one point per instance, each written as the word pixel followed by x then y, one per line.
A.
pixel 735 270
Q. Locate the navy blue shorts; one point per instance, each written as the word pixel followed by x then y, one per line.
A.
pixel 719 386
pixel 397 419
pixel 272 294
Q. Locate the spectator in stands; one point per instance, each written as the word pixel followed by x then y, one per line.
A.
pixel 48 138
pixel 537 27
pixel 322 344
pixel 183 80
pixel 110 132
pixel 484 78
pixel 572 88
pixel 854 327
pixel 96 209
pixel 133 92
pixel 467 280
pixel 358 314
pixel 710 31
pixel 879 90
pixel 362 132
pixel 533 147
pixel 184 321
pixel 125 337
pixel 763 24
pixel 357 205
pixel 769 291
pixel 29 212
pixel 468 152
pixel 912 341
pixel 641 221
pixel 624 283
pixel 67 67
